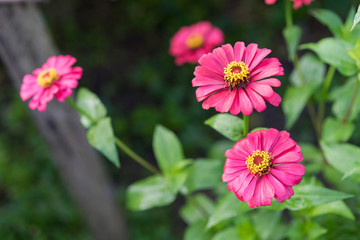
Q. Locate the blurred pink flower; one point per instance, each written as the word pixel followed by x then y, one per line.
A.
pixel 297 3
pixel 262 166
pixel 55 77
pixel 233 79
pixel 191 42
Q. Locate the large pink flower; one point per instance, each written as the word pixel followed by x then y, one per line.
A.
pixel 297 3
pixel 237 79
pixel 55 77
pixel 262 166
pixel 191 42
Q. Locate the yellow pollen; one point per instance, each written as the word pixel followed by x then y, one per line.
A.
pixel 259 162
pixel 194 41
pixel 236 74
pixel 47 77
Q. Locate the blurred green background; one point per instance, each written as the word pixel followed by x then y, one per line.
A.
pixel 123 48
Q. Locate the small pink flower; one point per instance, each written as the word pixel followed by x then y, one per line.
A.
pixel 55 77
pixel 262 166
pixel 297 3
pixel 233 79
pixel 190 42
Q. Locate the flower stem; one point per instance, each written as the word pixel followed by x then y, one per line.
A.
pixel 246 125
pixel 288 14
pixel 324 94
pixel 118 142
pixel 135 157
pixel 353 97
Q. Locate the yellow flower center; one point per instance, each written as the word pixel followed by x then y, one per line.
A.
pixel 236 74
pixel 259 162
pixel 47 77
pixel 194 41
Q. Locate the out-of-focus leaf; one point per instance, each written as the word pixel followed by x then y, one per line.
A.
pixel 337 57
pixel 204 174
pixel 228 207
pixel 197 208
pixel 292 36
pixel 337 207
pixel 101 137
pixel 315 230
pixel 217 150
pixel 228 125
pixel 311 72
pixel 307 196
pixel 354 171
pixel 305 230
pixel 335 131
pixel 295 100
pixel 342 97
pixel 312 158
pixel 228 233
pixel 197 231
pixel 343 157
pixel 357 18
pixel 91 104
pixel 265 223
pixel 154 191
pixel 355 53
pixel 245 227
pixel 330 19
pixel 167 148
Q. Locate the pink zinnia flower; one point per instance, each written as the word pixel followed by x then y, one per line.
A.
pixel 262 166
pixel 56 77
pixel 191 42
pixel 234 79
pixel 297 3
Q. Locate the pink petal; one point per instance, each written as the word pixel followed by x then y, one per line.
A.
pixel 220 56
pixel 209 61
pixel 250 189
pixel 213 100
pixel 244 185
pixel 275 99
pixel 256 100
pixel 270 2
pixel 229 52
pixel 267 68
pixel 289 193
pixel 245 103
pixel 227 102
pixel 236 183
pixel 259 56
pixel 289 157
pixel 250 53
pixel 239 50
pixel 205 81
pixel 269 139
pixel 270 81
pixel 262 90
pixel 293 168
pixel 203 92
pixel 279 188
pixel 263 194
pixel 286 178
pixel 235 108
pixel 201 71
pixel 254 141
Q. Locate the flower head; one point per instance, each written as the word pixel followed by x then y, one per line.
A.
pixel 237 79
pixel 263 166
pixel 55 77
pixel 297 3
pixel 191 42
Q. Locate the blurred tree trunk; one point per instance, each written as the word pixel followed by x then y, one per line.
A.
pixel 25 45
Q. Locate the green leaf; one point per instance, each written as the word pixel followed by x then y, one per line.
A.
pixel 204 174
pixel 228 207
pixel 337 57
pixel 294 102
pixel 228 233
pixel 343 157
pixel 154 191
pixel 351 172
pixel 167 148
pixel 357 18
pixel 292 36
pixel 312 158
pixel 91 104
pixel 228 125
pixel 342 97
pixel 265 223
pixel 307 196
pixel 218 149
pixel 337 207
pixel 335 131
pixel 311 72
pixel 192 213
pixel 330 19
pixel 197 231
pixel 355 53
pixel 101 137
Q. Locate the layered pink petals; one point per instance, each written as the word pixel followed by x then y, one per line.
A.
pixel 61 88
pixel 211 37
pixel 215 91
pixel 285 171
pixel 297 3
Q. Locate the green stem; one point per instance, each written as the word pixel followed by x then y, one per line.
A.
pixel 246 125
pixel 136 157
pixel 353 97
pixel 202 211
pixel 324 94
pixel 288 14
pixel 118 142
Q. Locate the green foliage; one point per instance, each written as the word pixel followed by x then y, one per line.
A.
pixel 336 207
pixel 337 131
pixel 228 233
pixel 356 19
pixel 197 208
pixel 292 36
pixel 228 125
pixel 331 20
pixel 101 137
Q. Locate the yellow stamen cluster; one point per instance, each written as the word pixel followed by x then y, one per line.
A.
pixel 236 74
pixel 47 77
pixel 259 162
pixel 194 41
